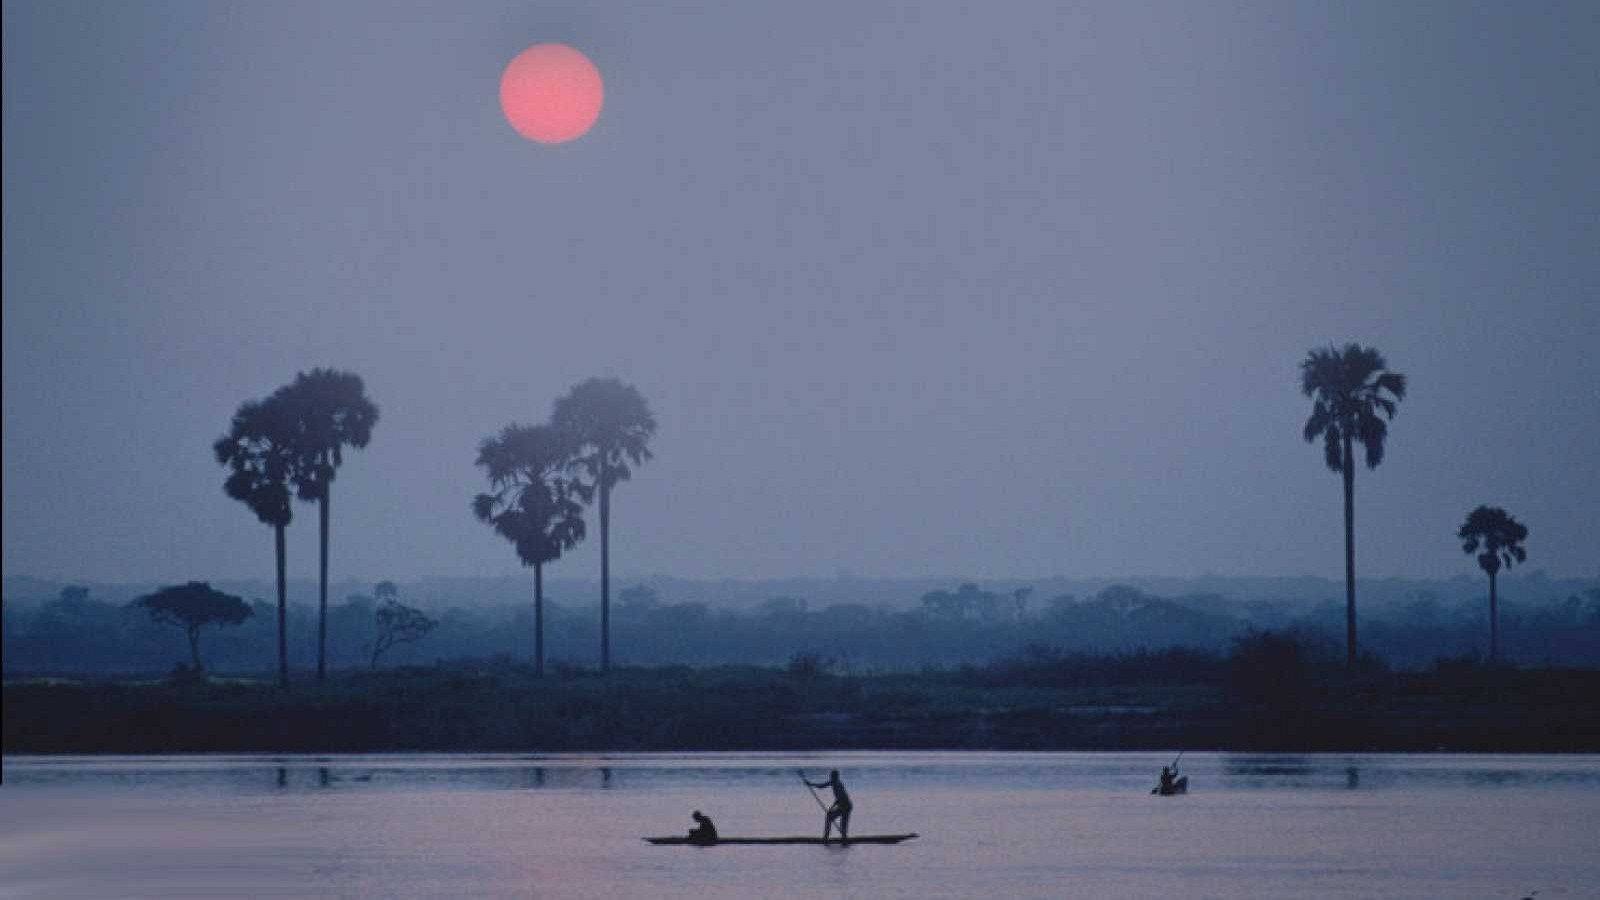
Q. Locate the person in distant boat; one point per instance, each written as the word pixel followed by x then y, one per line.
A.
pixel 704 832
pixel 1168 783
pixel 840 810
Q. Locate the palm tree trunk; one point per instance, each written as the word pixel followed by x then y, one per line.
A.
pixel 283 610
pixel 1349 556
pixel 322 585
pixel 538 620
pixel 1494 621
pixel 605 568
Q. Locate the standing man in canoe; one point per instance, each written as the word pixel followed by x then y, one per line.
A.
pixel 840 809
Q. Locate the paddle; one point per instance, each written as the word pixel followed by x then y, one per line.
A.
pixel 802 776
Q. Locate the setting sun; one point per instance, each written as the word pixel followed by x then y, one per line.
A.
pixel 551 93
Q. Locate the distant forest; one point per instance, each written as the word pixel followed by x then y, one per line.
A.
pixel 77 633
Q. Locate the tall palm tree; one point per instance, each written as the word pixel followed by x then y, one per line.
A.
pixel 532 503
pixel 258 451
pixel 1500 537
pixel 331 411
pixel 1352 393
pixel 610 425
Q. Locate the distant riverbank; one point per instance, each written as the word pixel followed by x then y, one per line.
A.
pixel 504 707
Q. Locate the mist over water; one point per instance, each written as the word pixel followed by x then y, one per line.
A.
pixel 1031 825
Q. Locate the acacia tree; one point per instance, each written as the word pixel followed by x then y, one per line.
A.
pixel 1500 538
pixel 1352 393
pixel 533 503
pixel 610 425
pixel 259 455
pixel 331 411
pixel 191 607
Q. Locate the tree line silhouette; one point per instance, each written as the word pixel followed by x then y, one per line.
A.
pixel 543 476
pixel 80 634
pixel 537 475
pixel 296 438
pixel 1354 396
pixel 540 477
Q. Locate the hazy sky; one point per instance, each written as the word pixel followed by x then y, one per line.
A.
pixel 914 289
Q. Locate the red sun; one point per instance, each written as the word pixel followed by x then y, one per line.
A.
pixel 551 93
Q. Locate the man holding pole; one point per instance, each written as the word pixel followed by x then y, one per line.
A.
pixel 840 809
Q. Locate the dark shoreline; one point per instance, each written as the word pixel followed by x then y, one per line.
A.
pixel 504 708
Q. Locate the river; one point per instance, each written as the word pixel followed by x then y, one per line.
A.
pixel 990 825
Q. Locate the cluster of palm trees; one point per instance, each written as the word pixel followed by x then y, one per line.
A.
pixel 291 444
pixel 541 477
pixel 1354 396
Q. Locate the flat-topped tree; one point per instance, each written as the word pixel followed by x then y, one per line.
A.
pixel 331 411
pixel 258 452
pixel 191 607
pixel 611 425
pixel 534 503
pixel 1352 393
pixel 1497 538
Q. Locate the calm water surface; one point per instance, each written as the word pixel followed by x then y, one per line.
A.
pixel 992 825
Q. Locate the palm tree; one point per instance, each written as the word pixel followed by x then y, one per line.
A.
pixel 258 451
pixel 533 504
pixel 1353 393
pixel 610 426
pixel 330 410
pixel 1500 536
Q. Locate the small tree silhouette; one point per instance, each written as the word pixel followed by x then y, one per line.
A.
pixel 191 607
pixel 1500 537
pixel 398 624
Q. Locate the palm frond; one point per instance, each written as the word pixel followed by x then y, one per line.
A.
pixel 1332 450
pixel 1321 419
pixel 1394 383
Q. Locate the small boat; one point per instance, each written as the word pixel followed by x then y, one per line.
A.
pixel 862 839
pixel 1179 786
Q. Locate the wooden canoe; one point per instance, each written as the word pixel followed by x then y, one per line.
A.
pixel 862 839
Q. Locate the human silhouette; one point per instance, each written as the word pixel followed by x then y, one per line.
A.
pixel 1167 786
pixel 840 809
pixel 704 832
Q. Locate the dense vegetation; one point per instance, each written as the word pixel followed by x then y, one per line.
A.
pixel 1272 692
pixel 75 635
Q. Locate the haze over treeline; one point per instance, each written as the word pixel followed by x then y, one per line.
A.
pixel 842 625
pixel 890 593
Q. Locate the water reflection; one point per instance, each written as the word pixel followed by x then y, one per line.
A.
pixel 1268 770
pixel 1115 772
pixel 992 824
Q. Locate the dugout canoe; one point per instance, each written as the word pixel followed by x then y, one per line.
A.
pixel 677 840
